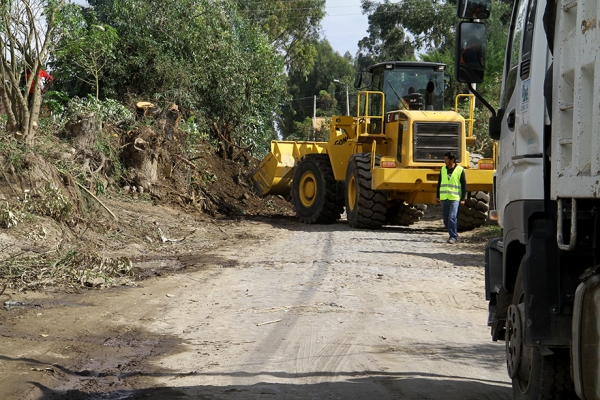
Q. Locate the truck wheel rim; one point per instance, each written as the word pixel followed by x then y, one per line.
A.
pixel 522 366
pixel 513 341
pixel 351 192
pixel 308 189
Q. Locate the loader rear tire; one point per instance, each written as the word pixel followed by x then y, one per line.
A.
pixel 405 214
pixel 365 207
pixel 314 190
pixel 474 212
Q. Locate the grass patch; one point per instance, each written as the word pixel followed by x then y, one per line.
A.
pixel 485 233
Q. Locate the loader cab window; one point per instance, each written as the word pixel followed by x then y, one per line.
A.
pixel 514 50
pixel 400 83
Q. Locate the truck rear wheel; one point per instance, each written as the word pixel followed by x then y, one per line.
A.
pixel 534 376
pixel 475 211
pixel 405 214
pixel 365 207
pixel 313 191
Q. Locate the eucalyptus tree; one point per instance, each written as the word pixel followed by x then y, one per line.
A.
pixel 293 27
pixel 26 30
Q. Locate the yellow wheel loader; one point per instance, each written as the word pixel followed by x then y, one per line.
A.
pixel 383 164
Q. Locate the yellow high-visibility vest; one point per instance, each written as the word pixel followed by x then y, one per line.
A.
pixel 450 188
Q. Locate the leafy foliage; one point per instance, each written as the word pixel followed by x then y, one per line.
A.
pixel 330 65
pixel 203 55
pixel 86 48
pixel 50 201
pixel 291 26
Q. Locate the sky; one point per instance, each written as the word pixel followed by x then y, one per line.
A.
pixel 344 25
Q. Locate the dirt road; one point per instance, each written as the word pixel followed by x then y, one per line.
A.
pixel 278 310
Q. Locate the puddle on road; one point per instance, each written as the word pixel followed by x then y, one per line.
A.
pixel 176 263
pixel 45 304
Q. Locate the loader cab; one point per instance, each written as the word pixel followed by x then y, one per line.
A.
pixel 409 85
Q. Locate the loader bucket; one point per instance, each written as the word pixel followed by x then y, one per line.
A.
pixel 274 173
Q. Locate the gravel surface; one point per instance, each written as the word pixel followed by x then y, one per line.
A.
pixel 277 310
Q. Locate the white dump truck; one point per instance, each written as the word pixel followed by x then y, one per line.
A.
pixel 542 276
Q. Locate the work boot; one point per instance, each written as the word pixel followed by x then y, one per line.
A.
pixel 451 241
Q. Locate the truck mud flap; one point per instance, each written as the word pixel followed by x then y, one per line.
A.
pixel 586 336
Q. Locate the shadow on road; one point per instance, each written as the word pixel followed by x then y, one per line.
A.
pixel 364 385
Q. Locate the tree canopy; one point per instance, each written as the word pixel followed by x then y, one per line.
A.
pixel 203 55
pixel 329 66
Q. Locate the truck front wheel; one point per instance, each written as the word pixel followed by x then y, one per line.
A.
pixel 365 207
pixel 535 376
pixel 313 191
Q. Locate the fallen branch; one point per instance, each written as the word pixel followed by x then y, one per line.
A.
pixel 165 239
pixel 97 199
pixel 269 322
pixel 188 162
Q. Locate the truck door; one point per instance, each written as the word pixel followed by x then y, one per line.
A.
pixel 520 165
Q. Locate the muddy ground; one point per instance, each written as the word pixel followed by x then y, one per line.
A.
pixel 255 307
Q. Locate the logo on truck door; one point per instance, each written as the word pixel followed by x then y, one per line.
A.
pixel 525 100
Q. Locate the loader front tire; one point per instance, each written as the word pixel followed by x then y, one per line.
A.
pixel 313 191
pixel 365 207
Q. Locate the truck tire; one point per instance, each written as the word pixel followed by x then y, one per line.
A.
pixel 313 191
pixel 534 376
pixel 365 207
pixel 405 214
pixel 474 212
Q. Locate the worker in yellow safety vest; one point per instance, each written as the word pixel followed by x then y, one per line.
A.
pixel 451 192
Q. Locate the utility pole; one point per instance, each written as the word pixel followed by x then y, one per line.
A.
pixel 315 119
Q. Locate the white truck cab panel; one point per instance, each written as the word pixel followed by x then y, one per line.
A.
pixel 520 163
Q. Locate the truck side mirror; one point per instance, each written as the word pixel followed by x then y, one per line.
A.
pixel 495 125
pixel 474 9
pixel 470 52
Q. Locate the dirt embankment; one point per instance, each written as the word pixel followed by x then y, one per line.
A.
pixel 80 209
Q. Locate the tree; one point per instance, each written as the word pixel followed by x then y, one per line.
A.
pixel 202 55
pixel 26 29
pixel 387 40
pixel 329 65
pixel 86 49
pixel 291 26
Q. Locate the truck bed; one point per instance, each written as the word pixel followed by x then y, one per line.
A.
pixel 576 114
